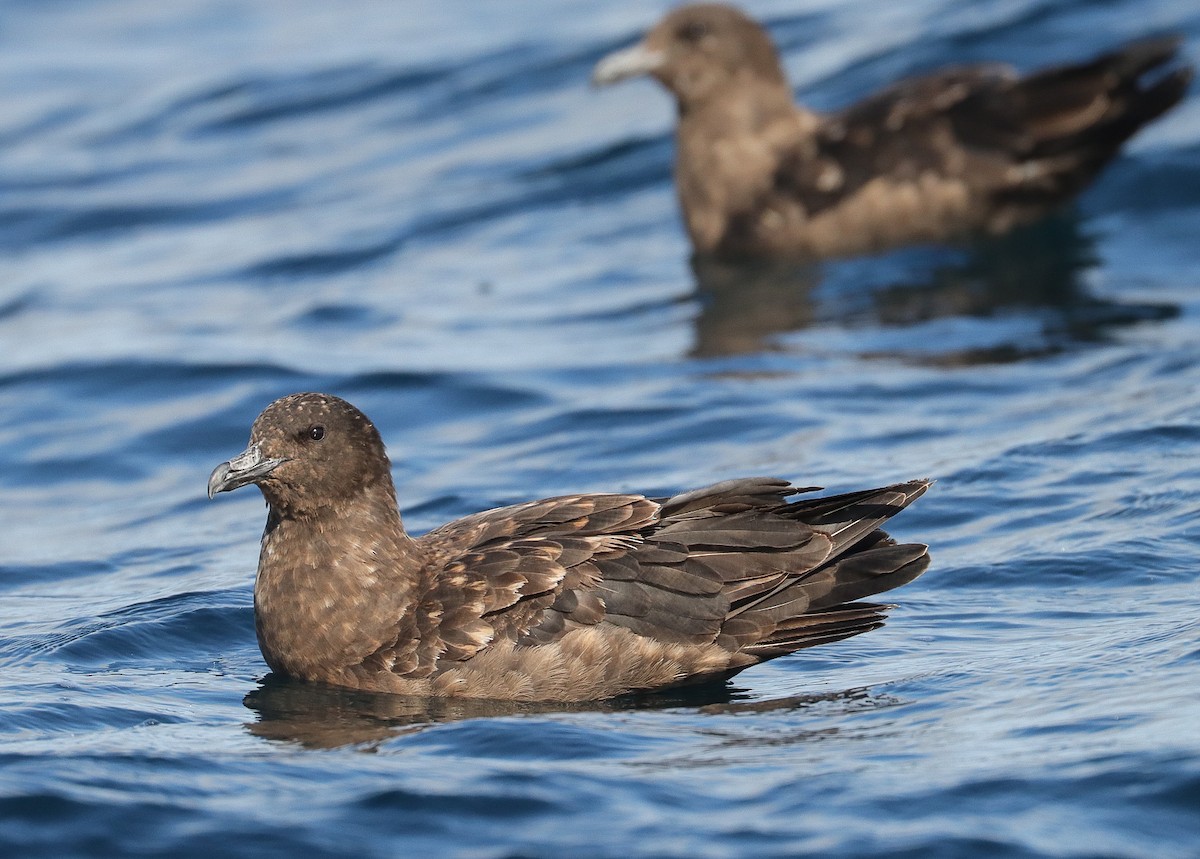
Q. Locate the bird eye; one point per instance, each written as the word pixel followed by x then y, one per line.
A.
pixel 316 432
pixel 692 31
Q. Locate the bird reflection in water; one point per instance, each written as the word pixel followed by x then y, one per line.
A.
pixel 1035 276
pixel 317 716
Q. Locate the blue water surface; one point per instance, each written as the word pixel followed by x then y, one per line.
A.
pixel 424 208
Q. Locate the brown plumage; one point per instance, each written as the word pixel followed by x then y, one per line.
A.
pixel 575 598
pixel 968 149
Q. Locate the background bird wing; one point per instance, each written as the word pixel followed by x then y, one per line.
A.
pixel 1032 140
pixel 911 129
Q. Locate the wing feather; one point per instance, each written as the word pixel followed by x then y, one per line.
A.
pixel 738 564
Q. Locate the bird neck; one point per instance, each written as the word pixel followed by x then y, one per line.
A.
pixel 332 585
pixel 748 98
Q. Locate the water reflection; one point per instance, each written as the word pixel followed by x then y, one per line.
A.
pixel 317 716
pixel 1037 275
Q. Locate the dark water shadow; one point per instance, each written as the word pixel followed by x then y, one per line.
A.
pixel 1034 275
pixel 316 716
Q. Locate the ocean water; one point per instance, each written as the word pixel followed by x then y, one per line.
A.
pixel 424 208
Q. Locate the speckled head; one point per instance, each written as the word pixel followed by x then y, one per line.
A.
pixel 307 451
pixel 694 51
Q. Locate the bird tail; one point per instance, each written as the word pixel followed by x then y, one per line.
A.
pixel 822 605
pixel 1102 103
pixel 1076 117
